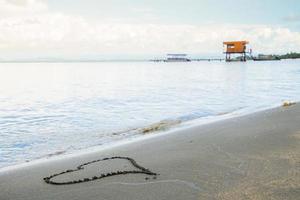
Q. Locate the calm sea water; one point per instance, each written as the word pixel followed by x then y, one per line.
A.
pixel 47 108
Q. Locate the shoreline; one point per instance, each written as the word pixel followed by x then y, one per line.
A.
pixel 182 126
pixel 254 156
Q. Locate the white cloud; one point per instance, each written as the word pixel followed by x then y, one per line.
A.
pixel 292 18
pixel 10 8
pixel 46 32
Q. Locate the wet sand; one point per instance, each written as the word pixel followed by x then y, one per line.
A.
pixel 250 157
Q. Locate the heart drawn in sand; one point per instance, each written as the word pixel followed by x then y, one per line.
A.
pixel 139 170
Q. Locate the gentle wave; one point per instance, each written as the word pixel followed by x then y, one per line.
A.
pixel 60 108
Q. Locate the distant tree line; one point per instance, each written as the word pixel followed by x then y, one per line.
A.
pixel 292 55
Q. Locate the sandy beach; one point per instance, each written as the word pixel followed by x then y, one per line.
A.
pixel 256 156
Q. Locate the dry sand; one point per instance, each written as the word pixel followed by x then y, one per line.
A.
pixel 251 157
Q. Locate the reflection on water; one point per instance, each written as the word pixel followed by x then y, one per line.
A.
pixel 57 107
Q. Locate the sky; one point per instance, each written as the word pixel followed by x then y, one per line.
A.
pixel 116 28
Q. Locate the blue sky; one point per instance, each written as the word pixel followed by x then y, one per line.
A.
pixel 69 28
pixel 197 12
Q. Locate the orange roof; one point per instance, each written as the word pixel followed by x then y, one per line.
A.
pixel 236 42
